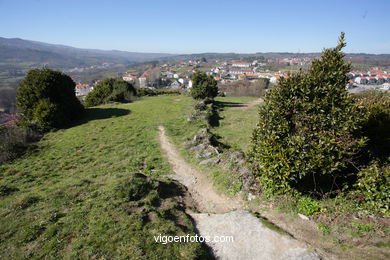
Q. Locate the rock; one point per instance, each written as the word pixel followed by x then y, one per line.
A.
pixel 210 161
pixel 247 176
pixel 250 239
pixel 188 144
pixel 199 147
pixel 204 154
pixel 303 216
pixel 251 196
pixel 200 106
pixel 237 156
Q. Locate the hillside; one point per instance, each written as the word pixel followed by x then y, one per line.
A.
pixel 15 51
pixel 101 189
pixel 18 55
pixel 83 191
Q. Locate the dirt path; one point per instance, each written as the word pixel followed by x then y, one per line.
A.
pixel 207 199
pixel 248 105
pixel 223 216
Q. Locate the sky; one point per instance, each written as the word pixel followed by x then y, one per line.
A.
pixel 188 26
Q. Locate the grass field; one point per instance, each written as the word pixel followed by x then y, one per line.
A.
pixel 79 194
pixel 236 126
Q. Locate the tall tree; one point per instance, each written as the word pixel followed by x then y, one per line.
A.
pixel 306 126
pixel 203 86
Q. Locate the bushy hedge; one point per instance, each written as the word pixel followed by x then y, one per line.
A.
pixel 15 141
pixel 46 98
pixel 305 135
pixel 203 86
pixel 373 188
pixel 244 88
pixel 156 92
pixel 111 90
pixel 375 123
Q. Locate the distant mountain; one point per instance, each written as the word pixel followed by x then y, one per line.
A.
pixel 18 53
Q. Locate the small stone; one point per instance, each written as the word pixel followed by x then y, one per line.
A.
pixel 210 161
pixel 303 216
pixel 199 147
pixel 204 154
pixel 251 196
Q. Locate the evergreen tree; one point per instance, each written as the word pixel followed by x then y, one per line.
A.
pixel 306 126
pixel 111 90
pixel 46 98
pixel 203 86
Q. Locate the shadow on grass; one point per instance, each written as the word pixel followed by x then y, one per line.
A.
pixel 223 104
pixel 96 113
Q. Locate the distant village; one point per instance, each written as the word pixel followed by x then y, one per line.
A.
pixel 177 75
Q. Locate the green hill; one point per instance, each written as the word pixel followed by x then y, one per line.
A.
pixel 97 190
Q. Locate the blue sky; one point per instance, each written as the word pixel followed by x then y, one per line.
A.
pixel 243 26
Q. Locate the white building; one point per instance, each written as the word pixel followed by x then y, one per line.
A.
pixel 385 86
pixel 361 80
pixel 83 90
pixel 240 71
pixel 129 78
pixel 241 64
pixel 175 84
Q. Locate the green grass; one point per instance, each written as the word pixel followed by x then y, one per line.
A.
pixel 74 196
pixel 236 126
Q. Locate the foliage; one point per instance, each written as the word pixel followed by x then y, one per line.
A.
pixel 46 98
pixel 362 227
pixel 151 92
pixel 306 126
pixel 374 186
pixel 110 90
pixel 203 86
pixel 324 228
pixel 15 141
pixel 375 123
pixel 308 206
pixel 245 88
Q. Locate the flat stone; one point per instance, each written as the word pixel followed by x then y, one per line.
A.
pixel 250 239
pixel 210 161
pixel 303 216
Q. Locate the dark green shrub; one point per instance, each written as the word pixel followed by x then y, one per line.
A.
pixel 136 187
pixel 110 90
pixel 15 142
pixel 155 92
pixel 308 206
pixel 46 98
pixel 374 186
pixel 305 135
pixel 6 190
pixel 375 123
pixel 122 91
pixel 203 86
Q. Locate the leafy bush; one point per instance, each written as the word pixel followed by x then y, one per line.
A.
pixel 111 90
pixel 305 135
pixel 203 86
pixel 375 123
pixel 152 92
pixel 374 186
pixel 46 98
pixel 15 142
pixel 135 187
pixel 308 206
pixel 244 88
pixel 324 228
